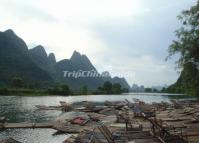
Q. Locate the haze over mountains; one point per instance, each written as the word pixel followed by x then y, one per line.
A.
pixel 35 66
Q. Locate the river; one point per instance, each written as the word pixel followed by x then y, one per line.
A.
pixel 22 109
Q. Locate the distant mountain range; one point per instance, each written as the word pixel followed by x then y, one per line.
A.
pixel 35 66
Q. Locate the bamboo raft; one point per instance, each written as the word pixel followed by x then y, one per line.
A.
pixel 116 122
pixel 26 125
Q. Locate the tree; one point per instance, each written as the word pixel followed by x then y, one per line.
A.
pixel 60 90
pixel 187 45
pixel 17 82
pixel 107 87
pixel 125 90
pixel 148 90
pixel 65 90
pixel 117 88
pixel 3 90
pixel 84 90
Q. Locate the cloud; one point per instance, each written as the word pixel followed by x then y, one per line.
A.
pixel 22 10
pixel 125 37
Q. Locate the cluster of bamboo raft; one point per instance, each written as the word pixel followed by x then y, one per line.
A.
pixel 122 122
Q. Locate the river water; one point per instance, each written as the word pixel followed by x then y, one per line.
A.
pixel 22 109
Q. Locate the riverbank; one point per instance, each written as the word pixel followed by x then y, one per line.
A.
pixel 44 92
pixel 64 90
pixel 23 92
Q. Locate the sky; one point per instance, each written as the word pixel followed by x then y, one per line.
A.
pixel 128 38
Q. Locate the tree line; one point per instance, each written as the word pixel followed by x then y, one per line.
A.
pixel 18 85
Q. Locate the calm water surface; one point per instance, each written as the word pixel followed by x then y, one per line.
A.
pixel 22 109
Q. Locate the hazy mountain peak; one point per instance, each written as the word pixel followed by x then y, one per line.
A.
pixel 17 61
pixel 39 50
pixel 36 65
pixel 9 31
pixel 121 80
pixel 81 61
pixel 106 74
pixel 76 55
pixel 52 58
pixel 84 56
pixel 12 41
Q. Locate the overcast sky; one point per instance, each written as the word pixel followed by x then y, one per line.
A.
pixel 125 37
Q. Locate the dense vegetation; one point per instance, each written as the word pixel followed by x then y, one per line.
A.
pixel 187 46
pixel 19 87
pixel 109 88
